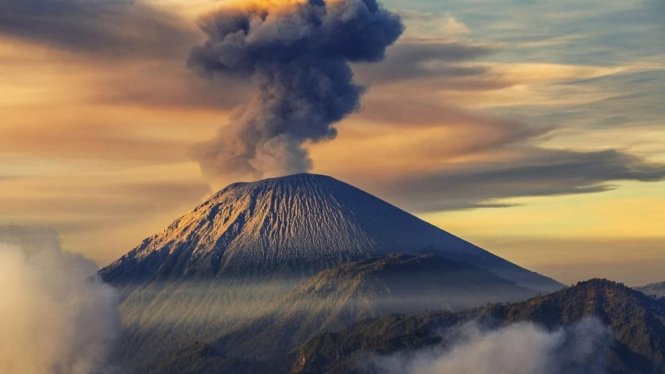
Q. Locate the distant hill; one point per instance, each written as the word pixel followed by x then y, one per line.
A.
pixel 654 289
pixel 336 298
pixel 637 323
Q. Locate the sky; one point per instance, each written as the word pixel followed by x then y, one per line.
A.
pixel 534 129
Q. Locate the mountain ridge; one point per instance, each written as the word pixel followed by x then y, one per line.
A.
pixel 637 323
pixel 653 289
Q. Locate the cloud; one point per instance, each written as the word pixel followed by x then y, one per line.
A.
pixel 417 60
pixel 297 54
pixel 432 57
pixel 80 135
pixel 429 154
pixel 531 172
pixel 432 25
pixel 521 348
pixel 98 211
pixel 169 86
pixel 111 28
pixel 56 316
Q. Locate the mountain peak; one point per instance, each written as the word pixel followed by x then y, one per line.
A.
pixel 300 179
pixel 294 226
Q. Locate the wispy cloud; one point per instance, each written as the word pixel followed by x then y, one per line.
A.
pixel 532 172
pixel 113 29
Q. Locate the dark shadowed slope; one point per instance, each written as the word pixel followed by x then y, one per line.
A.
pixel 295 226
pixel 335 298
pixel 637 323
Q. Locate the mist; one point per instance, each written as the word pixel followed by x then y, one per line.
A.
pixel 56 316
pixel 522 348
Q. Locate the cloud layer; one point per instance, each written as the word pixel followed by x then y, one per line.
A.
pixel 109 28
pixel 297 53
pixel 56 316
pixel 531 172
pixel 517 349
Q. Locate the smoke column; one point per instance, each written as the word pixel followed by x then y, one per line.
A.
pixel 56 316
pixel 297 54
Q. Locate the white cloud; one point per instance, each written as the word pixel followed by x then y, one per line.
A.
pixel 56 316
pixel 422 25
pixel 453 26
pixel 522 348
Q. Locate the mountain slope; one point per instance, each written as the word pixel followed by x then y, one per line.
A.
pixel 637 323
pixel 335 298
pixel 654 289
pixel 294 226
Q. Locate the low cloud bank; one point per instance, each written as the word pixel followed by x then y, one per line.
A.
pixel 56 316
pixel 522 348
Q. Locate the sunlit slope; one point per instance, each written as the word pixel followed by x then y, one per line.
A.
pixel 294 226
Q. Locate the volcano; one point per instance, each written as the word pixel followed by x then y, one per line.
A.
pixel 302 250
pixel 295 226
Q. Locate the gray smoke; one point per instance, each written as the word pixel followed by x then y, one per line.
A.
pixel 56 316
pixel 297 54
pixel 522 348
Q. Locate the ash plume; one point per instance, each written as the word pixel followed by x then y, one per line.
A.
pixel 297 54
